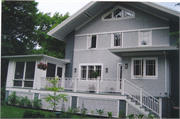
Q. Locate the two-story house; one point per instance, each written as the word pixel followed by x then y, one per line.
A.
pixel 127 43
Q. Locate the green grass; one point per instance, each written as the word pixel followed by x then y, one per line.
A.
pixel 16 112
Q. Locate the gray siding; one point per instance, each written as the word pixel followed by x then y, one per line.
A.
pixel 130 39
pixel 141 20
pixel 104 41
pixel 160 37
pixel 80 42
pixel 69 53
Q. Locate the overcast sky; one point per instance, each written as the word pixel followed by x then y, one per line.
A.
pixel 72 7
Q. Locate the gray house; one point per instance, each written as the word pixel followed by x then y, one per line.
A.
pixel 127 43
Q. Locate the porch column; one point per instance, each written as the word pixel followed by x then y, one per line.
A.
pixel 97 84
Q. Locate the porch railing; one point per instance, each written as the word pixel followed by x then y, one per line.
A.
pixel 108 85
pixel 144 98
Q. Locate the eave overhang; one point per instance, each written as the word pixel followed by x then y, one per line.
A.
pixel 93 8
pixel 38 56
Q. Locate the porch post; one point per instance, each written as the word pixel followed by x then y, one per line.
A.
pixel 97 87
pixel 75 84
pixel 63 82
pixel 160 108
pixel 122 86
pixel 141 96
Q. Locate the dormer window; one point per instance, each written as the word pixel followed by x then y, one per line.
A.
pixel 118 13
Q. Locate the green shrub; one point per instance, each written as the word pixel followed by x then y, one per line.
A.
pixel 12 99
pixel 37 103
pixel 33 114
pixel 100 111
pixel 109 114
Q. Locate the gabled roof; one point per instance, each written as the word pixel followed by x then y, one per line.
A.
pixel 92 9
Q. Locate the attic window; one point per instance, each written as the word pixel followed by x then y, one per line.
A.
pixel 118 13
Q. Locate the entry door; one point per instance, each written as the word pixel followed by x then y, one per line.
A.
pixel 120 71
pixel 59 72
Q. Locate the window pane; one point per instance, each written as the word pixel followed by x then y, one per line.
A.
pixel 117 39
pixel 108 16
pixel 98 70
pixel 93 43
pixel 145 37
pixel 137 67
pixel 91 68
pixel 117 13
pixel 150 67
pixel 51 70
pixel 17 83
pixel 83 72
pixel 28 83
pixel 59 71
pixel 30 67
pixel 128 14
pixel 19 70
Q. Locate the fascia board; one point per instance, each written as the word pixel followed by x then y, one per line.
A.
pixel 136 49
pixel 70 18
pixel 163 8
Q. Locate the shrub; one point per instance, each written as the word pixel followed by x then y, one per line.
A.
pixel 109 114
pixel 12 99
pixel 100 111
pixel 33 114
pixel 37 103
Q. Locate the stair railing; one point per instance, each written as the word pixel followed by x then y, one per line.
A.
pixel 144 98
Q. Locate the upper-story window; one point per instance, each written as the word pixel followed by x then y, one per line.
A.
pixel 118 13
pixel 118 39
pixel 145 38
pixel 92 41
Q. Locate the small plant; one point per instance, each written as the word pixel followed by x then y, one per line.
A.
pixel 37 103
pixel 70 111
pixel 109 114
pixel 150 116
pixel 94 74
pixel 76 110
pixel 83 111
pixel 100 111
pixel 92 112
pixel 131 116
pixel 140 116
pixel 120 114
pixel 12 99
pixel 42 66
pixel 33 114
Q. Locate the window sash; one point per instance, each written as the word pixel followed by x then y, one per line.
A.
pixel 150 67
pixel 117 39
pixel 138 67
pixel 93 42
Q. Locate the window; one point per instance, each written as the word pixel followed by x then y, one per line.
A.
pixel 92 39
pixel 144 68
pixel 118 13
pixel 24 74
pixel 51 70
pixel 87 70
pixel 145 38
pixel 118 39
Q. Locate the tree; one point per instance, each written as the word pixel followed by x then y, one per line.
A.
pixel 53 100
pixel 49 45
pixel 19 19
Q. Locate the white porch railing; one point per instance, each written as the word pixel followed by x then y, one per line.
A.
pixel 144 98
pixel 109 86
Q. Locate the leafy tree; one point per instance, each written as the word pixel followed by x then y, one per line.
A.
pixel 53 100
pixel 19 19
pixel 49 45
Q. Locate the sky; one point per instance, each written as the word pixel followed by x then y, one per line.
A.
pixel 72 7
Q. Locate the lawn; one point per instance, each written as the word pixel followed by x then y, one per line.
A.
pixel 17 112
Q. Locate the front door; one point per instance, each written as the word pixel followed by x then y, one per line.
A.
pixel 119 71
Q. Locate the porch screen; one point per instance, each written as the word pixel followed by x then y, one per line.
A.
pixel 19 70
pixel 51 70
pixel 30 67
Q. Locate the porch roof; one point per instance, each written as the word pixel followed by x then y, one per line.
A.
pixel 37 56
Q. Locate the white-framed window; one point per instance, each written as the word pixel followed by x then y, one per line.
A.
pixel 91 41
pixel 118 13
pixel 145 38
pixel 54 70
pixel 116 39
pixel 86 70
pixel 144 68
pixel 24 74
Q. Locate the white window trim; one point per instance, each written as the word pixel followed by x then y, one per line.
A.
pixel 144 68
pixel 24 73
pixel 111 11
pixel 139 38
pixel 112 40
pixel 90 64
pixel 89 41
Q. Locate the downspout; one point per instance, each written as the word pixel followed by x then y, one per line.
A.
pixel 165 60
